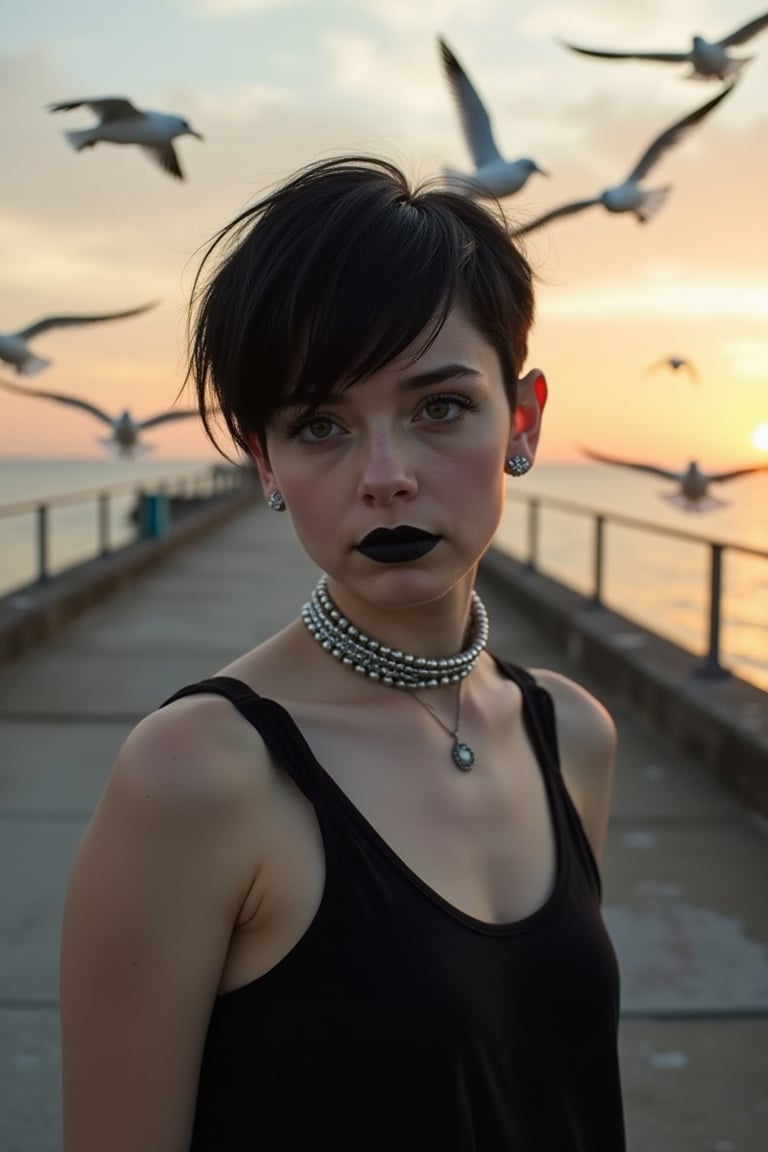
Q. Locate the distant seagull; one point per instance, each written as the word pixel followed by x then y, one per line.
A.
pixel 14 345
pixel 120 122
pixel 692 495
pixel 675 364
pixel 709 59
pixel 125 431
pixel 630 196
pixel 493 174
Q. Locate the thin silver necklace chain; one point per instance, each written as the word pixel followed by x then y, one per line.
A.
pixel 461 753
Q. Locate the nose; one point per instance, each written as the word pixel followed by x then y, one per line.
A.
pixel 385 473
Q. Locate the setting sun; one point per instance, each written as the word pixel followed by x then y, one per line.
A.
pixel 760 437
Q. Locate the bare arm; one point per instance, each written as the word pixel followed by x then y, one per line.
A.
pixel 153 898
pixel 587 738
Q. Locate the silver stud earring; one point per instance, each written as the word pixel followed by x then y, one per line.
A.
pixel 518 465
pixel 276 502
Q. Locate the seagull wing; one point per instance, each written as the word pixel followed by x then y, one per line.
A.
pixel 165 156
pixel 718 476
pixel 563 210
pixel 746 32
pixel 70 321
pixel 175 414
pixel 665 473
pixel 107 108
pixel 60 398
pixel 475 121
pixel 673 135
pixel 665 57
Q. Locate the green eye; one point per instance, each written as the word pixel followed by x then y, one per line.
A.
pixel 438 408
pixel 313 428
pixel 320 427
pixel 446 408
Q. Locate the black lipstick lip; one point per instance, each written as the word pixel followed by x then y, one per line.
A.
pixel 397 545
pixel 403 534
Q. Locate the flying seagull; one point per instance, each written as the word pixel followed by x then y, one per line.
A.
pixel 14 347
pixel 709 59
pixel 630 196
pixel 121 122
pixel 692 494
pixel 493 175
pixel 675 364
pixel 125 432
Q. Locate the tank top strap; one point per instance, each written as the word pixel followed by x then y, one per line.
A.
pixel 280 734
pixel 538 710
pixel 539 716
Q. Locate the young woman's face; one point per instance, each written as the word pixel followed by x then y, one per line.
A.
pixel 420 445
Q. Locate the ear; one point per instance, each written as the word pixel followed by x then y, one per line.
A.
pixel 260 458
pixel 526 422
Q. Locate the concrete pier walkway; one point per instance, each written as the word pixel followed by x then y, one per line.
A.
pixel 685 871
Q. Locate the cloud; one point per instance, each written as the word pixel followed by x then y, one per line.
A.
pixel 41 257
pixel 386 76
pixel 226 9
pixel 244 102
pixel 424 15
pixel 659 292
pixel 748 357
pixel 606 24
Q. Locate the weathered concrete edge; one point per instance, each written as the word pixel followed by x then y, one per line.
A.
pixel 721 723
pixel 32 614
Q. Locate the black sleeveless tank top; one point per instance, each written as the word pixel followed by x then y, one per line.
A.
pixel 398 1022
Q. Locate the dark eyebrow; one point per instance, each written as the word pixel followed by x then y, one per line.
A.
pixel 413 383
pixel 438 376
pixel 418 380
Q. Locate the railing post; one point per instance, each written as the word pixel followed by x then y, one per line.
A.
pixel 104 544
pixel 533 533
pixel 139 494
pixel 710 666
pixel 42 542
pixel 598 556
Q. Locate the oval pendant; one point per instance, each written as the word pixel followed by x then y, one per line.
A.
pixel 463 756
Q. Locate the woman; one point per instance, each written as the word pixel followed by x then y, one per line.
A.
pixel 342 895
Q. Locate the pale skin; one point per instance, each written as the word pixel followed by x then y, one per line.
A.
pixel 203 864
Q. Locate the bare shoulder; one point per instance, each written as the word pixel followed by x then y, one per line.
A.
pixel 588 740
pixel 196 751
pixel 584 725
pixel 190 788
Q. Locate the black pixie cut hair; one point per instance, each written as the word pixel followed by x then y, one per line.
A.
pixel 332 276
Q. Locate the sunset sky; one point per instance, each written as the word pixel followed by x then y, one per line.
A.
pixel 274 84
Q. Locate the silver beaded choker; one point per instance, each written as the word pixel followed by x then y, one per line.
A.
pixel 390 666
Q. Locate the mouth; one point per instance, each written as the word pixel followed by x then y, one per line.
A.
pixel 397 545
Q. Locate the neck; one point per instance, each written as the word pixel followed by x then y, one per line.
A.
pixel 379 658
pixel 438 628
